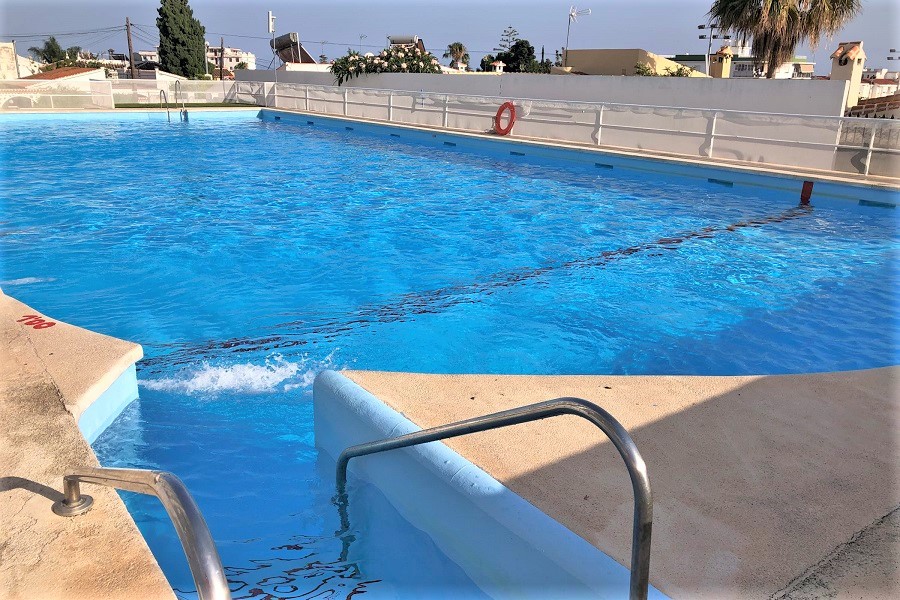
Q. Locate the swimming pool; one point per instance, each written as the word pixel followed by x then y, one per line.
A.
pixel 246 255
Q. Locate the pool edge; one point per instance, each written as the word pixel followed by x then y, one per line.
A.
pixel 458 494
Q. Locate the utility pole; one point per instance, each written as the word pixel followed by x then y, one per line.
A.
pixel 16 58
pixel 130 48
pixel 222 59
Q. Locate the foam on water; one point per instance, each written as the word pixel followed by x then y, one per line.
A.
pixel 274 375
pixel 27 280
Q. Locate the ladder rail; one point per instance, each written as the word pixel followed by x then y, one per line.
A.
pixel 196 540
pixel 623 442
pixel 164 96
pixel 178 93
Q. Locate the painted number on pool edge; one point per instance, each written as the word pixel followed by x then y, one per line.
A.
pixel 36 322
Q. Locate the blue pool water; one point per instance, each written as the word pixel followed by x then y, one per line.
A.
pixel 245 256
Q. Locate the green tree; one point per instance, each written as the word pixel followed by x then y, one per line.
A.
pixel 50 52
pixel 777 27
pixel 73 52
pixel 509 37
pixel 520 58
pixel 457 53
pixel 240 65
pixel 182 49
pixel 323 59
pixel 486 61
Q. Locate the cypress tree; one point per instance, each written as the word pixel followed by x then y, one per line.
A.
pixel 182 47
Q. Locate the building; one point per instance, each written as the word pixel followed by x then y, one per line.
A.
pixel 233 57
pixel 847 64
pixel 13 66
pixel 745 65
pixel 617 61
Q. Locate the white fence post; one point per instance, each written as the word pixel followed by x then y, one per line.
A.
pixel 345 101
pixel 712 135
pixel 306 97
pixel 869 152
pixel 390 106
pixel 446 102
pixel 600 122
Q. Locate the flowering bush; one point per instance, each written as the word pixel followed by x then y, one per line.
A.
pixel 390 60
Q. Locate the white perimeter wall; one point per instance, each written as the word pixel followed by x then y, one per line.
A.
pixel 801 97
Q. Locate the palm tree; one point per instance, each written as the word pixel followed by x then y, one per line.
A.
pixel 457 54
pixel 50 52
pixel 777 27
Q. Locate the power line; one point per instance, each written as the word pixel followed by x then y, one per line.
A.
pixel 25 36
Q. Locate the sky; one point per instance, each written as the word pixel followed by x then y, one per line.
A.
pixel 654 25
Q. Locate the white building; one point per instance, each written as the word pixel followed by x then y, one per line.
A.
pixel 745 65
pixel 233 57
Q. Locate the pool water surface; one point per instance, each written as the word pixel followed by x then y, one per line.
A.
pixel 246 256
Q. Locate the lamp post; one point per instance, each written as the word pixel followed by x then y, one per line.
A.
pixel 712 27
pixel 893 51
pixel 574 13
pixel 362 36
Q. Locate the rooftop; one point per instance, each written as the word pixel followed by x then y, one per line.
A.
pixel 61 73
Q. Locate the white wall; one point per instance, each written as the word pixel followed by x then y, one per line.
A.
pixel 802 97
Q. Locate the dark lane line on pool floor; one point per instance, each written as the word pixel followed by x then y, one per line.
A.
pixel 438 300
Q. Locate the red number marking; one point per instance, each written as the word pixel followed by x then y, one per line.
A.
pixel 36 322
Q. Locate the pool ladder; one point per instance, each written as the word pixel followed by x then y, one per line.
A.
pixel 164 96
pixel 637 469
pixel 197 542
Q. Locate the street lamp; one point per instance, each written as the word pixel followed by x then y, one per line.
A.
pixel 713 27
pixel 893 51
pixel 362 36
pixel 574 13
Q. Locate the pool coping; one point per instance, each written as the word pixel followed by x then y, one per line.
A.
pixel 729 519
pixel 54 378
pixel 799 174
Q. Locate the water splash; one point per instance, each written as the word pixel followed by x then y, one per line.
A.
pixel 275 375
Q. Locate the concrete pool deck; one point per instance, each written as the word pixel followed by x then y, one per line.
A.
pixel 48 377
pixel 776 486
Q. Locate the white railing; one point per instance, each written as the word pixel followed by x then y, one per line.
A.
pixel 867 147
pixel 838 144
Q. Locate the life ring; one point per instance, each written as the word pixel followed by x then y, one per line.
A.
pixel 506 106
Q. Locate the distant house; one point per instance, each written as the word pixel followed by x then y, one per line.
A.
pixel 745 65
pixel 618 61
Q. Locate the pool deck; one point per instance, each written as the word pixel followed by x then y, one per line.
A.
pixel 48 377
pixel 769 486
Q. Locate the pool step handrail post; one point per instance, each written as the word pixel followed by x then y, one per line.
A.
pixel 621 439
pixel 178 92
pixel 164 96
pixel 196 540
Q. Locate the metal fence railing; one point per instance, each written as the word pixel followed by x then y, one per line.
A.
pixel 842 144
pixel 839 144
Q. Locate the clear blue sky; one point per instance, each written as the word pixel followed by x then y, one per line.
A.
pixel 658 26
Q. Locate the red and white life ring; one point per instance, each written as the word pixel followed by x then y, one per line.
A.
pixel 506 106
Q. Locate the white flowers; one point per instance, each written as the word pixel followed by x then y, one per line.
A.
pixel 421 64
pixel 402 65
pixel 400 54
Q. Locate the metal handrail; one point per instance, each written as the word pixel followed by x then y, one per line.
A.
pixel 637 469
pixel 197 542
pixel 178 93
pixel 164 96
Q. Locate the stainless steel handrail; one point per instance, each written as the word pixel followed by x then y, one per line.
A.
pixel 179 93
pixel 197 542
pixel 164 96
pixel 637 469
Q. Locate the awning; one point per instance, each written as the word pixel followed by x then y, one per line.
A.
pixel 807 68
